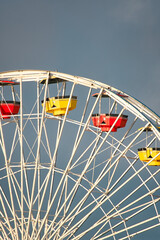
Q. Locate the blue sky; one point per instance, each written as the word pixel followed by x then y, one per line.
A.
pixel 113 41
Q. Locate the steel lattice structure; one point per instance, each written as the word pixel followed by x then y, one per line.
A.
pixel 61 177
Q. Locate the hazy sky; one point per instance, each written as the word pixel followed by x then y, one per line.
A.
pixel 113 41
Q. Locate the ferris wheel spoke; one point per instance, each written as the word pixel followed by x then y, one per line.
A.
pixel 96 224
pixel 23 169
pixel 146 204
pixel 49 199
pixel 89 191
pixel 143 230
pixel 131 165
pixel 92 157
pixel 113 215
pixel 115 151
pixel 25 173
pixel 47 141
pixel 52 177
pixel 29 119
pixel 40 190
pixel 3 232
pixel 147 188
pixel 116 146
pixel 52 164
pixel 123 184
pixel 133 192
pixel 93 152
pixel 72 154
pixel 77 177
pixel 37 157
pixel 33 146
pixel 78 161
pixel 6 218
pixel 71 196
pixel 18 219
pixel 72 218
pixel 122 153
pixel 63 192
pixel 83 115
pixel 105 173
pixel 8 177
pixel 84 128
pixel 139 208
pixel 74 228
pixel 53 172
pixel 133 226
pixel 27 202
pixel 14 143
pixel 75 188
pixel 108 220
pixel 148 170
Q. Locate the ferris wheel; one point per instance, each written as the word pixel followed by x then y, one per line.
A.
pixel 79 159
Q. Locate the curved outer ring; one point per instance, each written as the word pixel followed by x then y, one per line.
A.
pixel 131 104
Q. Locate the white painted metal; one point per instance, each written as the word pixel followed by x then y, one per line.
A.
pixel 50 190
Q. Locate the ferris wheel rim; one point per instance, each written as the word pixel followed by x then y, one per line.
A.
pixel 88 83
pixel 140 109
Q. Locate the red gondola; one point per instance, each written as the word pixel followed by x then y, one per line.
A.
pixel 8 108
pixel 6 83
pixel 106 121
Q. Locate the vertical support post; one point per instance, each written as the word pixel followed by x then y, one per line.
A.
pixel 13 93
pixel 2 94
pixel 38 160
pixel 100 99
pixel 21 157
pixel 146 137
pixel 109 105
pixel 64 89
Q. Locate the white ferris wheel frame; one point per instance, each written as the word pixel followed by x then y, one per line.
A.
pixel 52 230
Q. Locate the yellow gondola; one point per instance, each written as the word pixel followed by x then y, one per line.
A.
pixel 146 154
pixel 58 105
